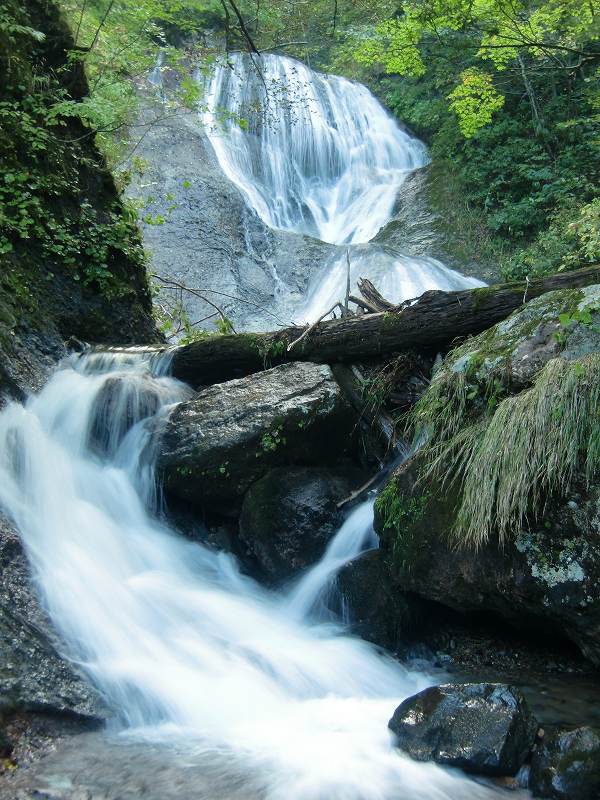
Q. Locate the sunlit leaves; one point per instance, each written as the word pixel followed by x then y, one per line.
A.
pixel 506 34
pixel 395 46
pixel 474 101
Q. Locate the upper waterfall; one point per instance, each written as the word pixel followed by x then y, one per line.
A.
pixel 317 154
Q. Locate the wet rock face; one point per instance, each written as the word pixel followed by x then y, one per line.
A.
pixel 485 729
pixel 566 765
pixel 217 445
pixel 211 239
pixel 33 675
pixel 289 516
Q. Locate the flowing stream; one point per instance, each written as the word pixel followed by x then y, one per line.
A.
pixel 188 651
pixel 318 155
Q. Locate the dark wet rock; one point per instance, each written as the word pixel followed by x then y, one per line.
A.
pixel 566 765
pixel 218 444
pixel 215 533
pixel 33 675
pixel 32 735
pixel 374 607
pixel 5 745
pixel 482 728
pixel 116 402
pixel 289 516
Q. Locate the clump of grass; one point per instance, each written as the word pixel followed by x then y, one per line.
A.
pixel 508 463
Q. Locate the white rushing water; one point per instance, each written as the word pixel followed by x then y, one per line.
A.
pixel 184 647
pixel 319 155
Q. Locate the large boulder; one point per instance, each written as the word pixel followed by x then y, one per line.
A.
pixel 566 765
pixel 218 444
pixel 289 516
pixel 546 577
pixel 500 510
pixel 482 728
pixel 33 674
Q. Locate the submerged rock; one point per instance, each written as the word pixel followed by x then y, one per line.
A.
pixel 289 516
pixel 566 765
pixel 483 728
pixel 217 445
pixel 33 674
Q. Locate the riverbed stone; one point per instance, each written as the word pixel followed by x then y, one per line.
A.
pixel 289 516
pixel 566 765
pixel 482 728
pixel 33 674
pixel 227 437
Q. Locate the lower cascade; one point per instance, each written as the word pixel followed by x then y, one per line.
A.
pixel 189 652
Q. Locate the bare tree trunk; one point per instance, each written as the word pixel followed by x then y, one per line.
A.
pixel 535 112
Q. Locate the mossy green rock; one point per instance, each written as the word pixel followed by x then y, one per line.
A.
pixel 96 288
pixel 500 509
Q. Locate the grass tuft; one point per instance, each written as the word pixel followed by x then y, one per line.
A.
pixel 508 462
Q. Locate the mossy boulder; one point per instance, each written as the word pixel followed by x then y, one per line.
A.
pixel 227 437
pixel 500 510
pixel 546 577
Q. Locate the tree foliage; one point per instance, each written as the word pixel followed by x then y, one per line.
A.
pixel 521 35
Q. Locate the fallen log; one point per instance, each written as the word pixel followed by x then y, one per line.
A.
pixel 429 324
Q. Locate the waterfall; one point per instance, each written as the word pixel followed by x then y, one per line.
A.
pixel 318 155
pixel 308 594
pixel 184 647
